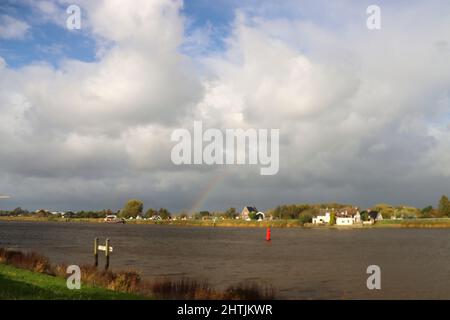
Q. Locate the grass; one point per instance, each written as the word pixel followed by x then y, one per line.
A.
pixel 16 283
pixel 31 276
pixel 415 223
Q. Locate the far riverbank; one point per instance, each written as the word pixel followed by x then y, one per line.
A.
pixel 388 223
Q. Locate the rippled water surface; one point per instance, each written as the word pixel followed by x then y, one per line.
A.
pixel 299 263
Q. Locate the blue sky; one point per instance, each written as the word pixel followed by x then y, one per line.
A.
pixel 45 40
pixel 50 42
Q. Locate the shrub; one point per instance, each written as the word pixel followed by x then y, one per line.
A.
pixel 249 291
pixel 305 218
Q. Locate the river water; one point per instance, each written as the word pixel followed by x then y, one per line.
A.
pixel 298 263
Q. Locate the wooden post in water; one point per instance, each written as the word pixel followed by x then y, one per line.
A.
pixel 96 252
pixel 107 254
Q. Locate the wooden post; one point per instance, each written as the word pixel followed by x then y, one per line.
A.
pixel 107 254
pixel 96 252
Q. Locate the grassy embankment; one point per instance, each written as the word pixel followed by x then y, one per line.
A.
pixel 32 276
pixel 16 283
pixel 415 223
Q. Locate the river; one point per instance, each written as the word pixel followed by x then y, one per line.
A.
pixel 298 263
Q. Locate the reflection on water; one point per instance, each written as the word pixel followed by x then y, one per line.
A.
pixel 299 263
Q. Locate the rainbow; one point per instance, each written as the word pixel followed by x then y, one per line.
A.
pixel 212 184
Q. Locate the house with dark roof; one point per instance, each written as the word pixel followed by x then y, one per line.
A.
pixel 245 214
pixel 374 215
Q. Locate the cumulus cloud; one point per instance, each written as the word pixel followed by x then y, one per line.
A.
pixel 97 120
pixel 363 115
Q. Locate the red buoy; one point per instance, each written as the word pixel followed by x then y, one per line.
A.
pixel 268 234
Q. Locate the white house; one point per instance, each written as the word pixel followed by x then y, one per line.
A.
pixel 346 217
pixel 260 216
pixel 322 219
pixel 357 217
pixel 344 221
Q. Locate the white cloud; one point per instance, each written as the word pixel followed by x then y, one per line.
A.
pixel 360 113
pixel 12 28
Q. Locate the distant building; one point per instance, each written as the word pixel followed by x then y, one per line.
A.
pixel 260 216
pixel 322 219
pixel 245 214
pixel 344 217
pixel 56 213
pixel 344 221
pixel 374 215
pixel 110 218
pixel 357 217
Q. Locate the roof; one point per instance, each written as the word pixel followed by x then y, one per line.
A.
pixel 373 214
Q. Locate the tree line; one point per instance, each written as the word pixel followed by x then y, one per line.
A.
pixel 135 208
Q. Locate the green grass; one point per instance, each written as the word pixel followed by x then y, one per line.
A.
pixel 20 284
pixel 416 223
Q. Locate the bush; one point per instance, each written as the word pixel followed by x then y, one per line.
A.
pixel 181 289
pixel 249 291
pixel 305 218
pixel 30 261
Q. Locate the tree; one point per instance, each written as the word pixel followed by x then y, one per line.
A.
pixel 183 216
pixel 444 206
pixel 364 216
pixel 231 213
pixel 387 211
pixel 69 214
pixel 132 209
pixel 204 214
pixel 427 212
pixel 405 212
pixel 164 213
pixel 305 217
pixel 42 214
pixel 332 219
pixel 151 213
pixel 18 211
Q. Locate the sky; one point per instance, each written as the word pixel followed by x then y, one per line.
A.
pixel 86 115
